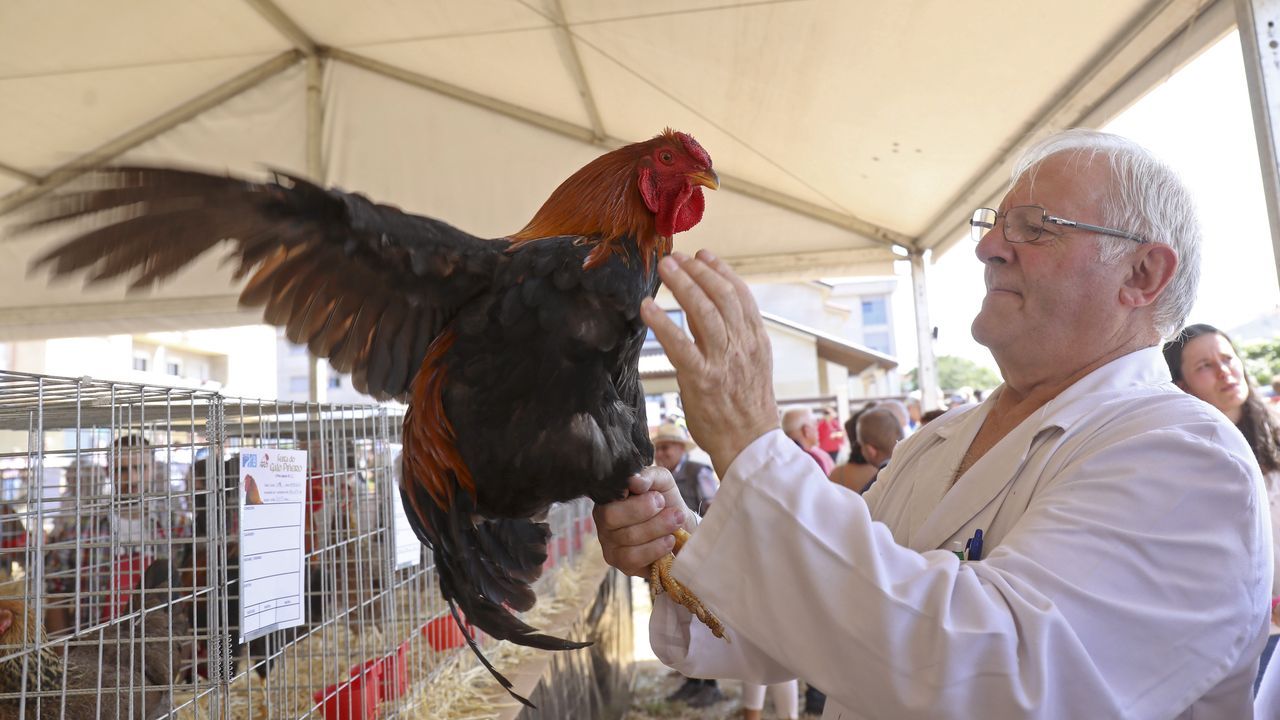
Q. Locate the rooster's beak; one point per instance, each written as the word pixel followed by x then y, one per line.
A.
pixel 707 178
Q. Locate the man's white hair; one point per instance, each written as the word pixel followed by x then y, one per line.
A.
pixel 795 419
pixel 1146 198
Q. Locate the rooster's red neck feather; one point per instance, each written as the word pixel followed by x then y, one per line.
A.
pixel 602 204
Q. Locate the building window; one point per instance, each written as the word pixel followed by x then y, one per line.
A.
pixel 877 340
pixel 299 384
pixel 140 362
pixel 651 340
pixel 173 368
pixel 874 312
pixel 335 381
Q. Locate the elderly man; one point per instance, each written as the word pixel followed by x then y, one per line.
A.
pixel 801 426
pixel 1117 560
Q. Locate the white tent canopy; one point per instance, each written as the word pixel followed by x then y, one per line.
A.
pixel 847 133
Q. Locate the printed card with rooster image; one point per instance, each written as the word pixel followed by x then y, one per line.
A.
pixel 272 540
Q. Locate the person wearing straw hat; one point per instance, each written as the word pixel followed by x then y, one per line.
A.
pixel 697 482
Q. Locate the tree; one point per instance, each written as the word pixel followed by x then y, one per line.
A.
pixel 955 373
pixel 1262 360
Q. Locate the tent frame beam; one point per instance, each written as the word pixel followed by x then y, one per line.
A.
pixel 865 230
pixel 1161 37
pixel 1259 23
pixel 511 110
pixel 809 265
pixel 927 369
pixel 112 149
pixel 317 368
pixel 285 25
pixel 573 64
pixel 40 322
pixel 22 175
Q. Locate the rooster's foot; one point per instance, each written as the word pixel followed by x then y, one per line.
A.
pixel 660 580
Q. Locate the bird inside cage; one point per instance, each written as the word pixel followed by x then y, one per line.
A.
pixel 124 670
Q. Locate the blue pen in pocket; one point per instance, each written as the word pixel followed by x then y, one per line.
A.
pixel 974 546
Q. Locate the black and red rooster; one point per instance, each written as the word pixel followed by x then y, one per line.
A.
pixel 517 355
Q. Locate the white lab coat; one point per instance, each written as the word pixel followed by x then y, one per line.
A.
pixel 1266 706
pixel 1272 483
pixel 1127 568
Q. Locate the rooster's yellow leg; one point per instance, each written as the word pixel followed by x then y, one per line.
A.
pixel 660 579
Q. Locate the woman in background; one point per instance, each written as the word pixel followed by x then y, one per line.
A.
pixel 1203 362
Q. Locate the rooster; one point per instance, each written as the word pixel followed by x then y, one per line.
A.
pixel 517 356
pixel 125 671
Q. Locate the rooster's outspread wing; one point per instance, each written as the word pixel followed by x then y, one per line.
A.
pixel 366 285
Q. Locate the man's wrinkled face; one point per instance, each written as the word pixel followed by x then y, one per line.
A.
pixel 668 454
pixel 1046 298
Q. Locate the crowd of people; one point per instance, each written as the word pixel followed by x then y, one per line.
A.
pixel 1093 538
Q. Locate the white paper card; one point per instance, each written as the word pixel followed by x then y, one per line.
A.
pixel 272 543
pixel 408 547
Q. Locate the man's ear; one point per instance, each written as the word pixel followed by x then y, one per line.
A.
pixel 871 455
pixel 1182 385
pixel 1151 268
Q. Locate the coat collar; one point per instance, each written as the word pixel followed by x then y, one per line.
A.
pixel 986 480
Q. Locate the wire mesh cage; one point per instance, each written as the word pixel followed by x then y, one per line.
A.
pixel 121 560
pixel 97 617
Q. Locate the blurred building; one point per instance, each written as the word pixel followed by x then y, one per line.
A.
pixel 859 311
pixel 831 344
pixel 294 381
pixel 237 361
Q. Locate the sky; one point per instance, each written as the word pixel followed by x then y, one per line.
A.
pixel 1199 122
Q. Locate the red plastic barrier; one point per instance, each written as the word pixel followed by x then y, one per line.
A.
pixel 395 672
pixel 444 634
pixel 356 699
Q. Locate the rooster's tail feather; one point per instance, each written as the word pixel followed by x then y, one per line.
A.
pixel 485 567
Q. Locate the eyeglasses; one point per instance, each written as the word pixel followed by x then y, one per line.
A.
pixel 1025 223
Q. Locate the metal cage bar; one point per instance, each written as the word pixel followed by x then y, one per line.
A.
pixel 120 559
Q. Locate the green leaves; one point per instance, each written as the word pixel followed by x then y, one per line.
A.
pixel 957 372
pixel 1262 360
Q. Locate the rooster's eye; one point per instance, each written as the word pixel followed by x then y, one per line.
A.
pixel 666 157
